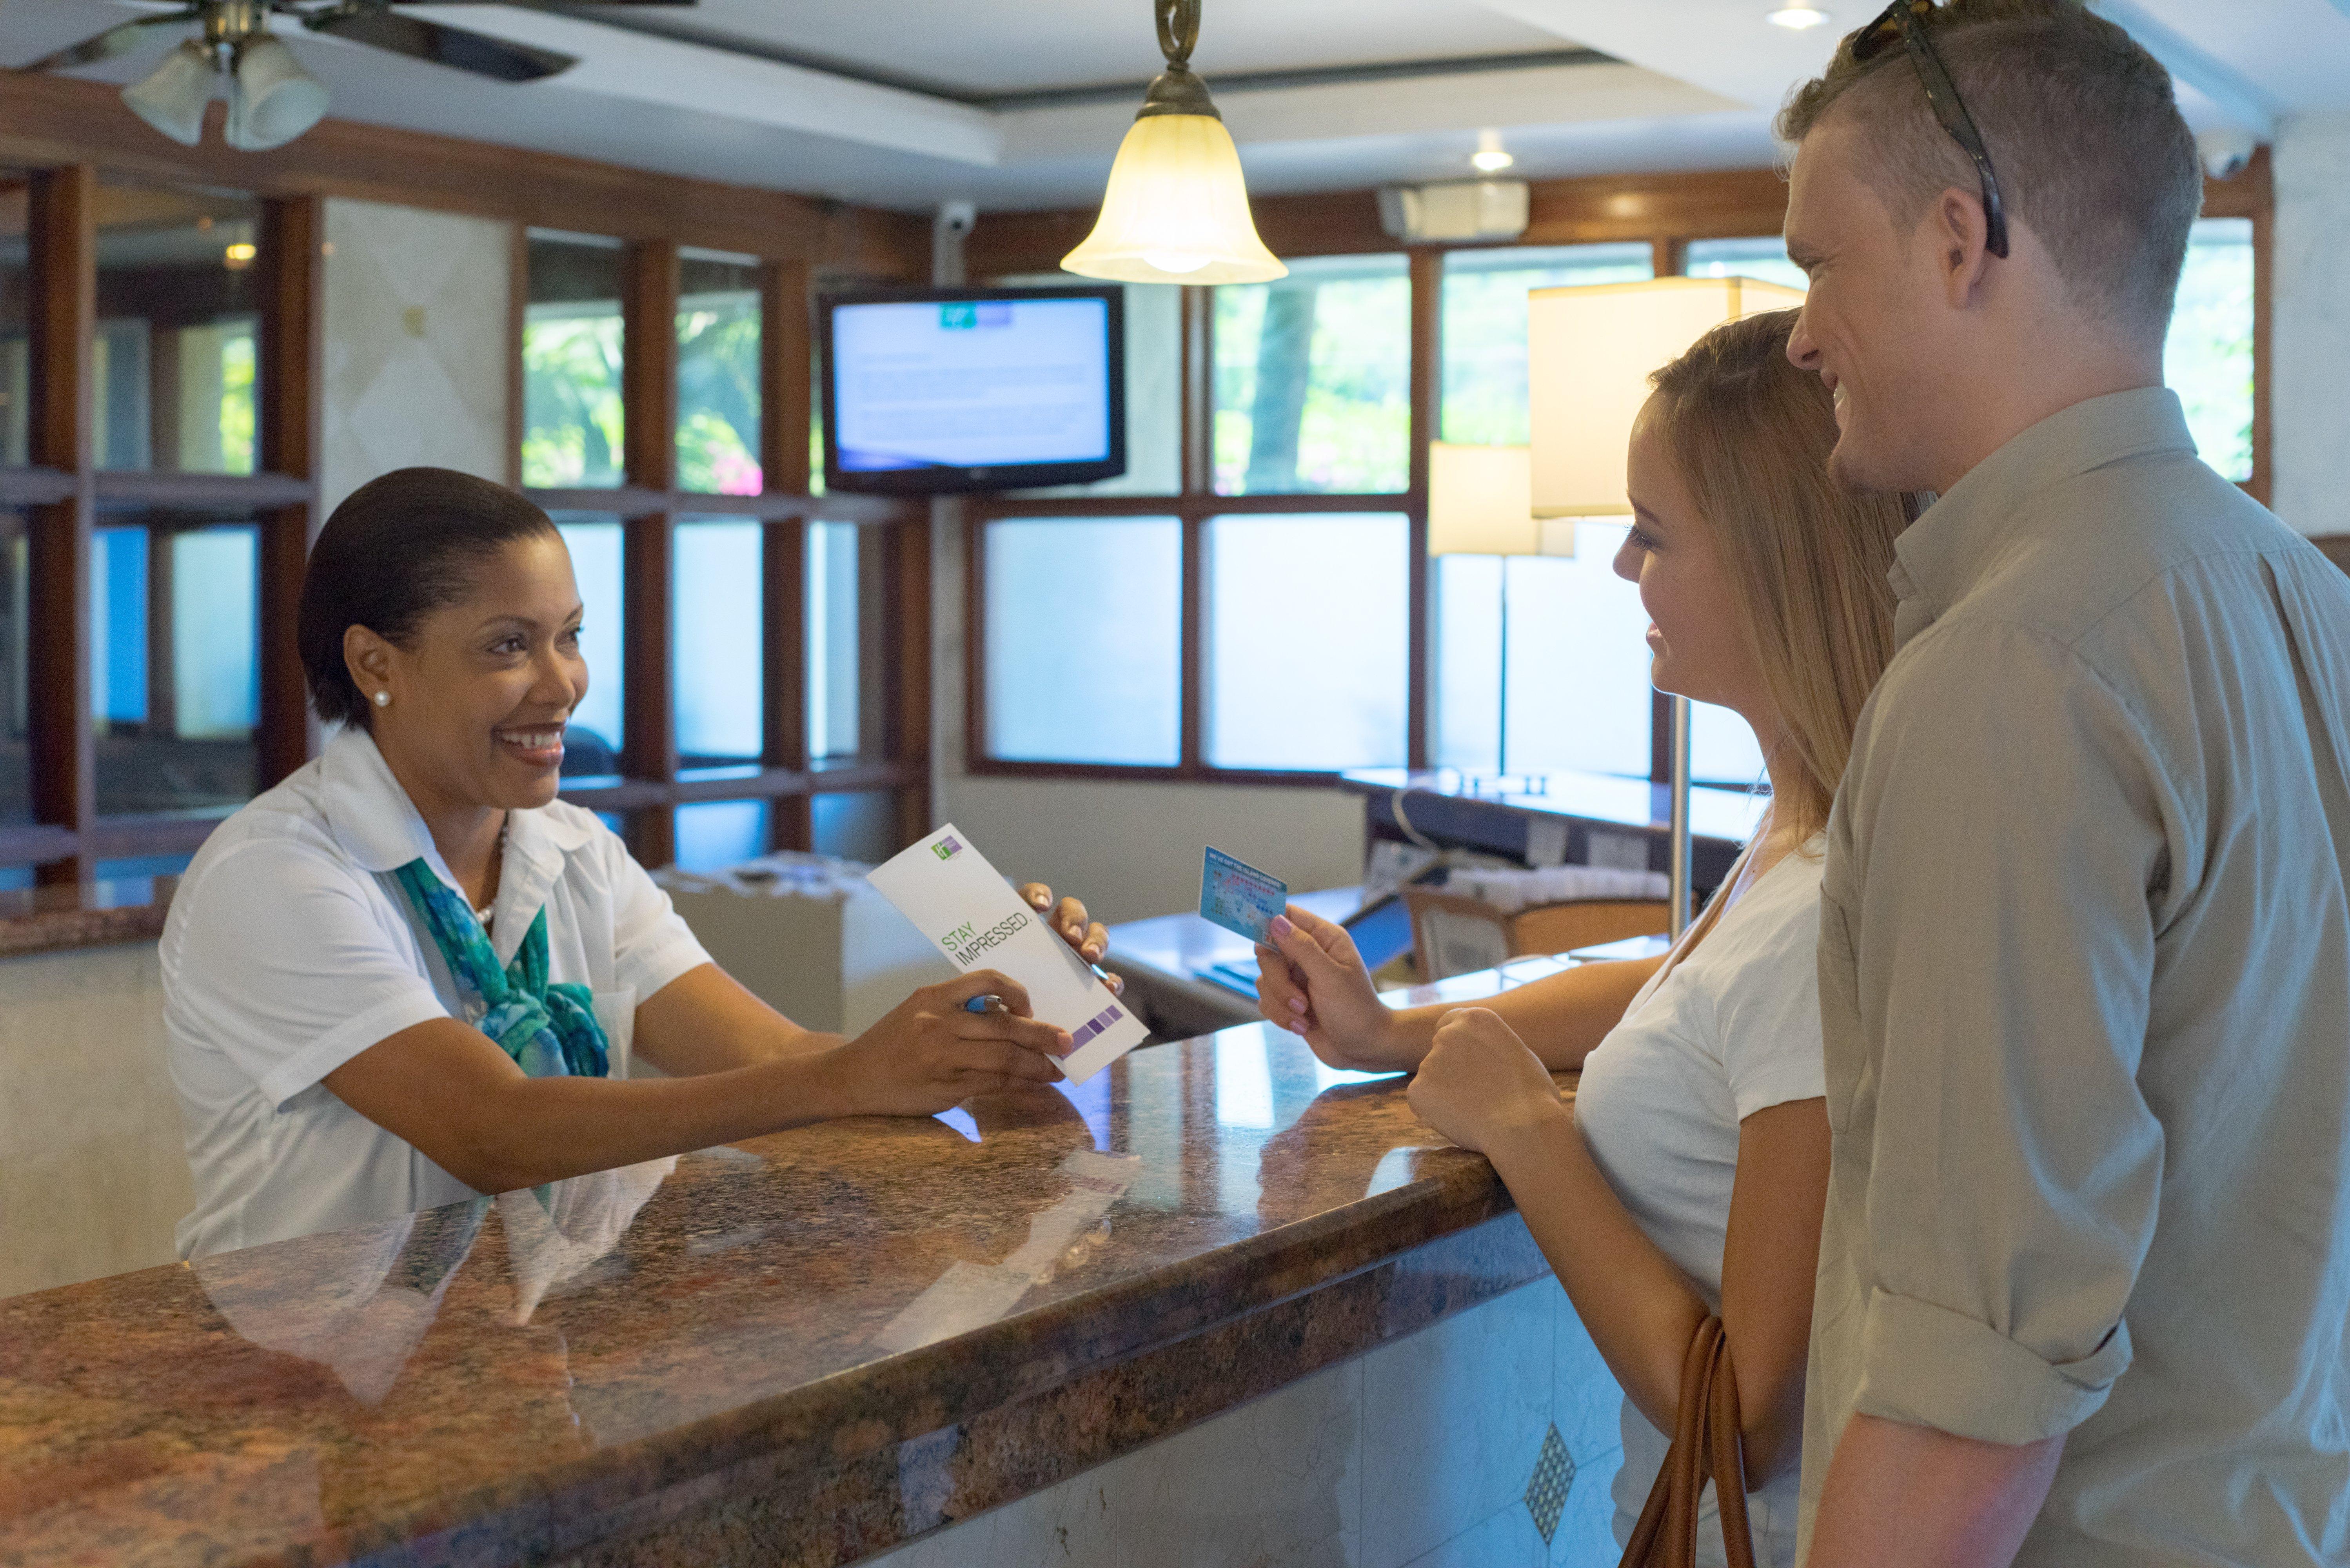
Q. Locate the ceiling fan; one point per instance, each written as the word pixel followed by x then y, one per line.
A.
pixel 271 98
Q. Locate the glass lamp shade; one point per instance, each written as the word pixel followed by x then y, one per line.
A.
pixel 172 96
pixel 1176 210
pixel 272 100
pixel 1481 500
pixel 1589 354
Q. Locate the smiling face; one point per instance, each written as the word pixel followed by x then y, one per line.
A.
pixel 482 692
pixel 1698 635
pixel 1876 325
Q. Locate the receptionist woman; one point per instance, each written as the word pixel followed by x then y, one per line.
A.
pixel 404 975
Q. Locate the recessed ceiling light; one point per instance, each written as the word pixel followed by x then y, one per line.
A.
pixel 1489 158
pixel 1797 18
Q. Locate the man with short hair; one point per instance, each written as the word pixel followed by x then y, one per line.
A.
pixel 2084 955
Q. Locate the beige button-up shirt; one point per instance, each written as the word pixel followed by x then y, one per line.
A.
pixel 2084 985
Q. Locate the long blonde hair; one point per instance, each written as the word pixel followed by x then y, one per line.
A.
pixel 1806 559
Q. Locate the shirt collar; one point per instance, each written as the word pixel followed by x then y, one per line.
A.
pixel 378 827
pixel 1942 557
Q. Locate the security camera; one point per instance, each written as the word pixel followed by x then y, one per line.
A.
pixel 2226 151
pixel 956 219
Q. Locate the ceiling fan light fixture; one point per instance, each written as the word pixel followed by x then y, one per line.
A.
pixel 272 100
pixel 1176 209
pixel 173 96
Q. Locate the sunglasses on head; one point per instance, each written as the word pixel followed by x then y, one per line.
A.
pixel 1904 22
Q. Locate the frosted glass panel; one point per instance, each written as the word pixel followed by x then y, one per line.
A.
pixel 176 671
pixel 2208 356
pixel 1722 749
pixel 1084 639
pixel 1763 257
pixel 721 833
pixel 1468 643
pixel 718 637
pixel 596 555
pixel 215 632
pixel 1579 694
pixel 847 609
pixel 1485 327
pixel 1314 379
pixel 858 825
pixel 1306 641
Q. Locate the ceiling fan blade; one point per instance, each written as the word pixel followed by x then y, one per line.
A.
pixel 441 44
pixel 105 46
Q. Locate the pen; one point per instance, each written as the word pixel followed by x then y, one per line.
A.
pixel 989 1003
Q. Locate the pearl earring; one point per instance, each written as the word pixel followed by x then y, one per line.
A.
pixel 383 699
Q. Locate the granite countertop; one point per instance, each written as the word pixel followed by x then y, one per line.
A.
pixel 90 914
pixel 805 1347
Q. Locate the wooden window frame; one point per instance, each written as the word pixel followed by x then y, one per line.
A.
pixel 65 132
pixel 649 506
pixel 1667 212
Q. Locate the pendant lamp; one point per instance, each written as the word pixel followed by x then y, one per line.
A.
pixel 1176 210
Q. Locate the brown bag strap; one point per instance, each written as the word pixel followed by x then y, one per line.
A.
pixel 1706 1445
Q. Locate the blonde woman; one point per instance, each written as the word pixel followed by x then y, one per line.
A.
pixel 1689 1178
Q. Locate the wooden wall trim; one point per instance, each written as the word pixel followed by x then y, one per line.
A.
pixel 47 120
pixel 63 289
pixel 292 381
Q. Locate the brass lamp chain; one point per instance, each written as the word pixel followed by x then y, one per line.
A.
pixel 1178 29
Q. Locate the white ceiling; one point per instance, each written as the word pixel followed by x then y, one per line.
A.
pixel 901 103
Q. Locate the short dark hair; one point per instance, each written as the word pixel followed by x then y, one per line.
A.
pixel 397 549
pixel 2083 131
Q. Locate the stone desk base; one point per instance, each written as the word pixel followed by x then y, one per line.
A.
pixel 807 1349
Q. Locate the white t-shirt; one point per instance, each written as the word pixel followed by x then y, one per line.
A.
pixel 1732 1029
pixel 290 949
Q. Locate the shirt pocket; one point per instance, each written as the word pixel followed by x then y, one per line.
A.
pixel 616 1013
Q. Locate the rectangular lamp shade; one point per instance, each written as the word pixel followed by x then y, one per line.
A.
pixel 1589 354
pixel 1480 501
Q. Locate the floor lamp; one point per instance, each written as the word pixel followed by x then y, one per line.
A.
pixel 1480 502
pixel 1589 354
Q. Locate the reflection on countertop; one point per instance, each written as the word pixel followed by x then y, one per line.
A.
pixel 810 1346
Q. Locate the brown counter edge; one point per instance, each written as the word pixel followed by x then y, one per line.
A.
pixel 53 919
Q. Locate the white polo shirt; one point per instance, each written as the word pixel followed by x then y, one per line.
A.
pixel 290 949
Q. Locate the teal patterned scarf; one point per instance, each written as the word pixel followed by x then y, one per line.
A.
pixel 550 1030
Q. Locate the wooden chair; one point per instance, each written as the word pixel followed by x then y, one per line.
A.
pixel 1452 935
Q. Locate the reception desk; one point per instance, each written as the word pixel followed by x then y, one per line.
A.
pixel 1220 1304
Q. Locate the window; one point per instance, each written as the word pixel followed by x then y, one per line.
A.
pixel 856 825
pixel 178 316
pixel 1312 377
pixel 572 414
pixel 718 659
pixel 16 328
pixel 175 661
pixel 1485 327
pixel 1578 661
pixel 1339 650
pixel 1112 586
pixel 723 833
pixel 592 746
pixel 718 372
pixel 15 688
pixel 2208 356
pixel 845 658
pixel 1763 257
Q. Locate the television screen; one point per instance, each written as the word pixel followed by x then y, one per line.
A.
pixel 972 389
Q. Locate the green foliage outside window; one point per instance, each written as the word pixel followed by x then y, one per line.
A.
pixel 2208 356
pixel 572 418
pixel 1312 381
pixel 237 415
pixel 718 394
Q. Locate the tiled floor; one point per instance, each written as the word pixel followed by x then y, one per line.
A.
pixel 1415 1456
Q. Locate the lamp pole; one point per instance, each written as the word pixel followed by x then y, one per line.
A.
pixel 1678 908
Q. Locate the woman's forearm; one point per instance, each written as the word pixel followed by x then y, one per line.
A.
pixel 1640 1309
pixel 536 1130
pixel 1560 1016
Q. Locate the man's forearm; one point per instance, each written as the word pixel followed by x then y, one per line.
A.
pixel 1923 1498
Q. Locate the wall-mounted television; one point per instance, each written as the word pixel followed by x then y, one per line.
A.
pixel 935 390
